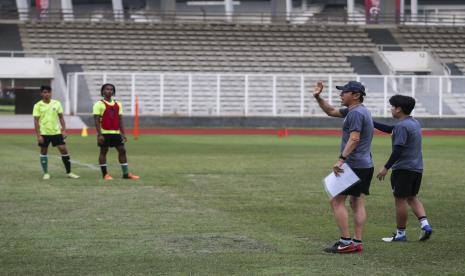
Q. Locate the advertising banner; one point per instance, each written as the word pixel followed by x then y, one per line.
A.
pixel 382 11
pixel 42 7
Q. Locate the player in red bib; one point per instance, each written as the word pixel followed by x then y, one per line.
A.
pixel 108 116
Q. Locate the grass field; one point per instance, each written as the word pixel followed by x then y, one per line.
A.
pixel 7 109
pixel 216 205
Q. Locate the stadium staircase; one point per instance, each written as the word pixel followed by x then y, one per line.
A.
pixel 364 65
pixel 10 38
pixel 383 37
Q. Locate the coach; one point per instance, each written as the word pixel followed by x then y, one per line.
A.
pixel 357 134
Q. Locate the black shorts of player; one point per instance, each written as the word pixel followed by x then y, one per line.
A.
pixel 111 140
pixel 56 140
pixel 363 186
pixel 405 183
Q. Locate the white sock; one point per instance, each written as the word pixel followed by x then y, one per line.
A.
pixel 344 241
pixel 423 222
pixel 400 232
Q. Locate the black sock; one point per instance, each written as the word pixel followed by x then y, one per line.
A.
pixel 420 218
pixel 357 241
pixel 103 167
pixel 66 162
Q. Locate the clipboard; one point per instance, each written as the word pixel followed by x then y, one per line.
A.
pixel 335 185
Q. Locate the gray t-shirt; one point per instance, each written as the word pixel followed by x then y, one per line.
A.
pixel 358 119
pixel 407 133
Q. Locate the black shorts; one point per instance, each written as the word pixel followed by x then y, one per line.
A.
pixel 363 186
pixel 405 183
pixel 111 140
pixel 56 140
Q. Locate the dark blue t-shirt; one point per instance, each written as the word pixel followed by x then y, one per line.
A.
pixel 358 119
pixel 407 133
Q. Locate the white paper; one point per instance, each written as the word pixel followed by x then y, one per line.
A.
pixel 335 185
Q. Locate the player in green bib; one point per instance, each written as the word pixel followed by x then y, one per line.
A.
pixel 50 127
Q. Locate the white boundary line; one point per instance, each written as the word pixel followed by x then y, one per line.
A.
pixel 87 165
pixel 73 161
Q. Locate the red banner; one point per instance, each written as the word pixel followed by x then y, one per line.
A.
pixel 372 10
pixel 387 11
pixel 42 7
pixel 397 11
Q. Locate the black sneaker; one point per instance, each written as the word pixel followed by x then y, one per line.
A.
pixel 339 247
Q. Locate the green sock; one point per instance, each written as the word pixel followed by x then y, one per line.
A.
pixel 44 163
pixel 124 168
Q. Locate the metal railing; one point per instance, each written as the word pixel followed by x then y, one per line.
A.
pixel 143 16
pixel 41 54
pixel 273 95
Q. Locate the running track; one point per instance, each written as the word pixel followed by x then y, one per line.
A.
pixel 237 131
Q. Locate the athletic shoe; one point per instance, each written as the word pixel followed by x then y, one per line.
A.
pixel 46 176
pixel 358 247
pixel 107 177
pixel 426 232
pixel 132 176
pixel 339 247
pixel 395 238
pixel 72 175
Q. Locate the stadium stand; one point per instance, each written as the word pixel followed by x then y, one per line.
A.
pixel 219 48
pixel 447 43
pixel 210 48
pixel 201 47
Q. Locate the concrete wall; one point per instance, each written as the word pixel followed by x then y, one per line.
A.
pixel 407 61
pixel 27 68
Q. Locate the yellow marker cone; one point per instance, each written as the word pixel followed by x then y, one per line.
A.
pixel 84 132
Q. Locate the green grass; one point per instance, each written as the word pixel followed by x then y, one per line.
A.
pixel 7 109
pixel 215 205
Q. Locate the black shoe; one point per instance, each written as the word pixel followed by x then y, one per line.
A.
pixel 339 247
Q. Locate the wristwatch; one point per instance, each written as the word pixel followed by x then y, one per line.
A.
pixel 342 157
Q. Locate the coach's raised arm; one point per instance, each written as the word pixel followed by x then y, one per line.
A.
pixel 327 108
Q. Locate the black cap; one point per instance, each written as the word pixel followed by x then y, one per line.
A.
pixel 353 86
